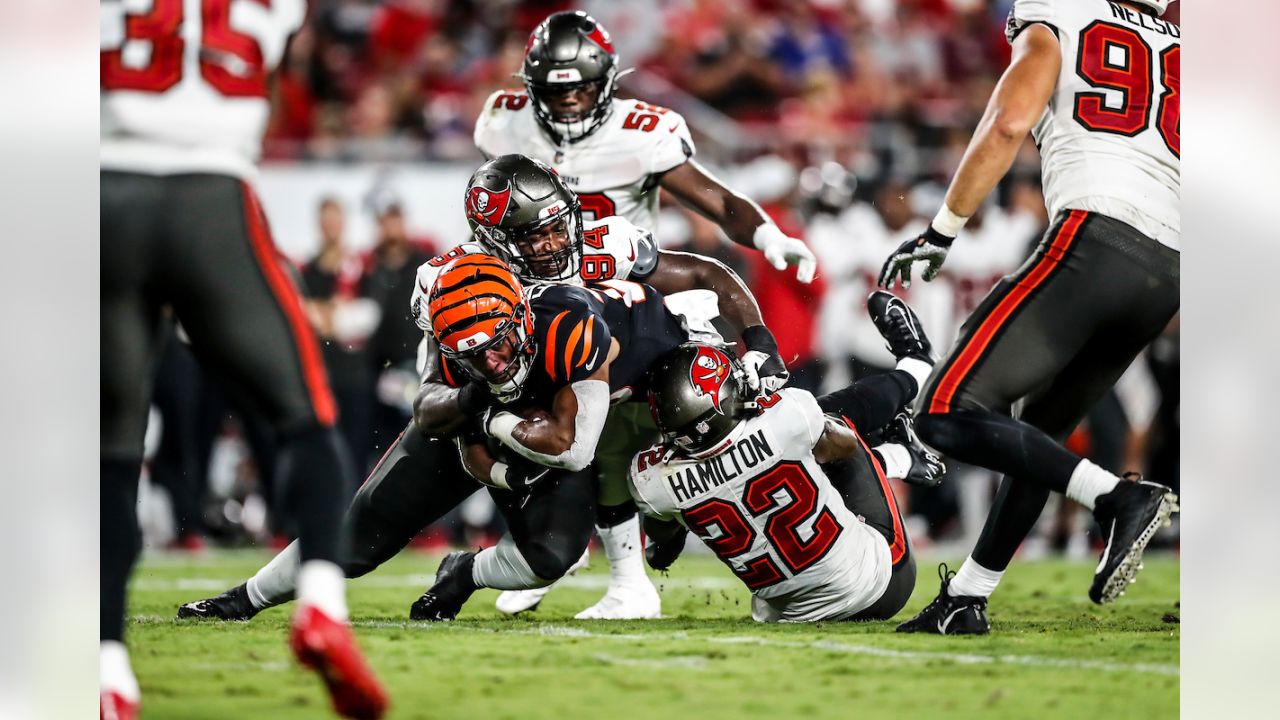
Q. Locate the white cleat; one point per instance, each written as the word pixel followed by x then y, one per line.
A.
pixel 637 599
pixel 514 602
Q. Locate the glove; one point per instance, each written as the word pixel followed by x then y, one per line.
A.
pixel 765 371
pixel 517 475
pixel 931 246
pixel 781 251
pixel 661 555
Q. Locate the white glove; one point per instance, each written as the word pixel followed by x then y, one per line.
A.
pixel 781 251
pixel 752 360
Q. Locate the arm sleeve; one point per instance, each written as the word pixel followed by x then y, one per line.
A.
pixel 637 485
pixel 1026 13
pixel 593 408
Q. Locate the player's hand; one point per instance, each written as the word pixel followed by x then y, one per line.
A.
pixel 781 250
pixel 661 555
pixel 491 413
pixel 930 246
pixel 762 363
pixel 517 474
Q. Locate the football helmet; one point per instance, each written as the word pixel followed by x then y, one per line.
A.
pixel 699 398
pixel 480 317
pixel 524 213
pixel 570 51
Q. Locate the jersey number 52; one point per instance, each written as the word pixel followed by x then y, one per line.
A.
pixel 1116 58
pixel 727 531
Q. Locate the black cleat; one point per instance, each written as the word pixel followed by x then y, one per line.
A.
pixel 450 592
pixel 1129 516
pixel 948 615
pixel 901 329
pixel 233 604
pixel 927 469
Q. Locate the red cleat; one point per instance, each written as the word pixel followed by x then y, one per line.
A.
pixel 114 706
pixel 328 647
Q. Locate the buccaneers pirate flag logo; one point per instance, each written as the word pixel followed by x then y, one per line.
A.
pixel 707 373
pixel 486 206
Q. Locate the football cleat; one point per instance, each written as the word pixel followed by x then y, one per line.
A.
pixel 927 469
pixel 514 602
pixel 233 604
pixel 452 588
pixel 1129 516
pixel 327 646
pixel 950 615
pixel 634 599
pixel 898 324
pixel 114 706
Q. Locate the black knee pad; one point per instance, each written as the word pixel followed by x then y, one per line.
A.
pixel 551 559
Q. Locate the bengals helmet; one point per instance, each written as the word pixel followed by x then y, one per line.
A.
pixel 522 212
pixel 698 395
pixel 482 321
pixel 569 51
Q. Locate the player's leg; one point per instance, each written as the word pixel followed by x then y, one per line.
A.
pixel 232 292
pixel 416 482
pixel 130 324
pixel 549 529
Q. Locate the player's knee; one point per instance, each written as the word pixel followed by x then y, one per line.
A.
pixel 941 431
pixel 551 559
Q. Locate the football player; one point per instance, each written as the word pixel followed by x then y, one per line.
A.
pixel 615 154
pixel 520 210
pixel 1097 83
pixel 184 105
pixel 783 488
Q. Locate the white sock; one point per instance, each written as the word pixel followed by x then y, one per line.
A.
pixel 277 581
pixel 1088 481
pixel 917 369
pixel 897 459
pixel 622 547
pixel 114 671
pixel 974 580
pixel 503 567
pixel 322 584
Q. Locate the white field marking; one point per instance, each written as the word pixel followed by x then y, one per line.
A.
pixel 825 645
pixel 423 581
pixel 686 662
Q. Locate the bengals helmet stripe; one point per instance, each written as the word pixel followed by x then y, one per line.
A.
pixel 551 343
pixel 475 293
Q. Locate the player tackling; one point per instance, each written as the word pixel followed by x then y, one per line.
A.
pixel 1097 84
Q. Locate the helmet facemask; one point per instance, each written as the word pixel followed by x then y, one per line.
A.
pixel 519 246
pixel 513 339
pixel 574 128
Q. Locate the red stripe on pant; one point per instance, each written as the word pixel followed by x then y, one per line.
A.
pixel 949 384
pixel 898 548
pixel 286 294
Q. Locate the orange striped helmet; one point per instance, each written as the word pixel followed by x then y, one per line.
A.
pixel 480 317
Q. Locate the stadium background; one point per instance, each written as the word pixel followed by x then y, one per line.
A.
pixel 843 118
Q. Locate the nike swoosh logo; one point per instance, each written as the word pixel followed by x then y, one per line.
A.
pixel 633 253
pixel 942 626
pixel 1106 549
pixel 591 363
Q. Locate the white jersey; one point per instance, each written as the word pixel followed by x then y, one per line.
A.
pixel 767 509
pixel 613 249
pixel 184 82
pixel 1110 138
pixel 613 169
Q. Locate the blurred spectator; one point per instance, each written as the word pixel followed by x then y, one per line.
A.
pixel 344 320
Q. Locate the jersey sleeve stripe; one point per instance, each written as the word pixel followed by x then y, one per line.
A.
pixel 574 336
pixel 586 342
pixel 551 343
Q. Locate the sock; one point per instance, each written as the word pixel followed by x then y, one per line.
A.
pixel 322 584
pixel 114 671
pixel 121 540
pixel 623 549
pixel 919 371
pixel 895 459
pixel 974 580
pixel 503 567
pixel 1088 481
pixel 315 470
pixel 277 581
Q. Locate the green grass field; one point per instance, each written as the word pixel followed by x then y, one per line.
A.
pixel 1052 653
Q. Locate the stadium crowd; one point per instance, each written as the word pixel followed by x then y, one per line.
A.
pixel 843 118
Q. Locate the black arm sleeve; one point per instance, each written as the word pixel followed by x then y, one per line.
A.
pixel 871 402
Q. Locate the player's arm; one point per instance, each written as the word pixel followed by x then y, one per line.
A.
pixel 440 409
pixel 565 438
pixel 740 218
pixel 665 534
pixel 837 442
pixel 1016 105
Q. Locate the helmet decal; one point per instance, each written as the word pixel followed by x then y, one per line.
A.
pixel 601 38
pixel 707 373
pixel 488 207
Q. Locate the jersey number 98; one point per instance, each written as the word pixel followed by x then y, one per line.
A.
pixel 1116 58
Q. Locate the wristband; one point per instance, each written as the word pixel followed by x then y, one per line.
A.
pixel 502 425
pixel 947 224
pixel 498 475
pixel 758 338
pixel 474 398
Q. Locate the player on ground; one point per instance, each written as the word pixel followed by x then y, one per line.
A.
pixel 184 104
pixel 615 154
pixel 791 499
pixel 520 210
pixel 1098 85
